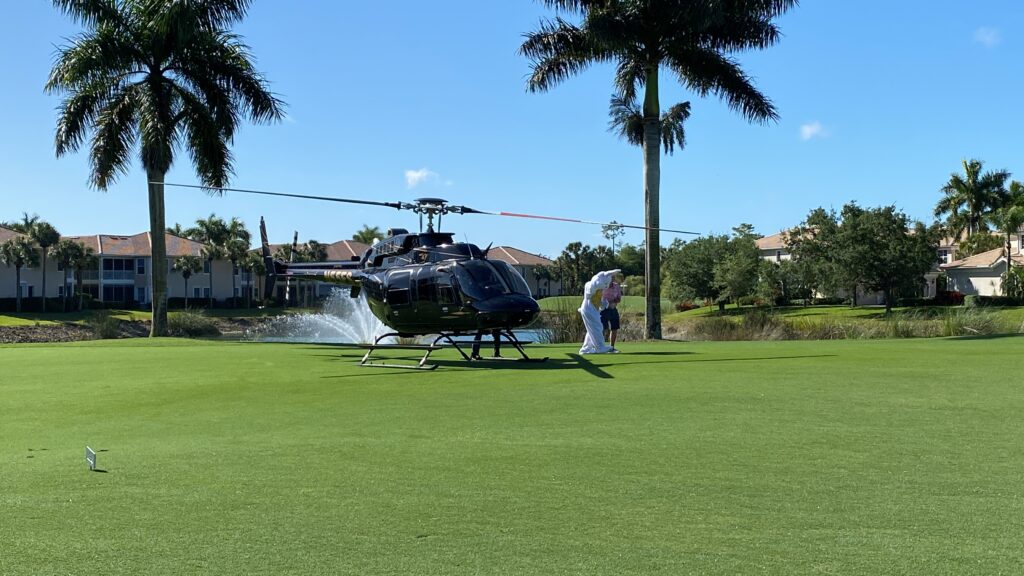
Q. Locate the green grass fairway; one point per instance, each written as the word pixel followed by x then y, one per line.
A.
pixel 782 458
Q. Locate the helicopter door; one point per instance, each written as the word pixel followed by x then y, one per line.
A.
pixel 398 295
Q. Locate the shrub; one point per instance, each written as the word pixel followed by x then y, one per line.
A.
pixel 684 306
pixel 103 325
pixel 830 301
pixel 191 324
pixel 949 298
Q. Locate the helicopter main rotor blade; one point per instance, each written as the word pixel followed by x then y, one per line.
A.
pixel 578 221
pixel 396 205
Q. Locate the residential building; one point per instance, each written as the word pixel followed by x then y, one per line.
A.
pixel 125 270
pixel 31 278
pixel 773 248
pixel 981 274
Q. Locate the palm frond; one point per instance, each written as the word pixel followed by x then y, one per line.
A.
pixel 627 120
pixel 90 12
pixel 708 72
pixel 559 50
pixel 114 138
pixel 673 134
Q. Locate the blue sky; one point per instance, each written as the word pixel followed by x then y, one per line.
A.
pixel 879 102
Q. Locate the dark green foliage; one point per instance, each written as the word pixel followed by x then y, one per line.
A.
pixel 691 266
pixel 978 243
pixel 878 249
pixel 630 259
pixel 579 262
pixel 970 198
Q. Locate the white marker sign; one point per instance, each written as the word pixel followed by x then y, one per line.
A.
pixel 90 457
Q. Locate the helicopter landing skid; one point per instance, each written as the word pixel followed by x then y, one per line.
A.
pixel 504 334
pixel 422 365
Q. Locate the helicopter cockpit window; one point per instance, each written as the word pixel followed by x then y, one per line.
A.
pixel 479 280
pixel 511 277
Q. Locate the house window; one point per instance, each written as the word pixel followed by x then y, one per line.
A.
pixel 60 291
pixel 778 255
pixel 115 293
pixel 140 266
pixel 201 292
pixel 140 294
pixel 206 266
pixel 943 256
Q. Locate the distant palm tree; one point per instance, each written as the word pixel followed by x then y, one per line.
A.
pixel 1009 218
pixel 969 198
pixel 188 265
pixel 26 224
pixel 160 75
pixel 213 233
pixel 694 40
pixel 253 263
pixel 18 253
pixel 45 236
pixel 85 260
pixel 66 252
pixel 177 230
pixel 367 234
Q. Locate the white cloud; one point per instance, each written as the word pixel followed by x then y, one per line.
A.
pixel 414 178
pixel 812 130
pixel 987 37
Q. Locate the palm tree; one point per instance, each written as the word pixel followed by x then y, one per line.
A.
pixel 18 252
pixel 26 224
pixel 1009 218
pixel 694 40
pixel 970 197
pixel 188 265
pixel 253 263
pixel 45 236
pixel 235 249
pixel 212 232
pixel 628 122
pixel 85 260
pixel 177 230
pixel 160 75
pixel 65 252
pixel 367 234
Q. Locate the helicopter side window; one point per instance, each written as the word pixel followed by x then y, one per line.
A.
pixel 426 290
pixel 445 294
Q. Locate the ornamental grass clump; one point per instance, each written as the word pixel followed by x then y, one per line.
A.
pixel 191 324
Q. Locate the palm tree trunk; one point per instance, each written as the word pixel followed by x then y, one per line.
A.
pixel 1006 283
pixel 211 283
pixel 67 286
pixel 233 283
pixel 81 291
pixel 159 252
pixel 42 307
pixel 652 198
pixel 186 293
pixel 17 288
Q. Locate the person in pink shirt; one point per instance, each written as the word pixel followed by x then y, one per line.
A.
pixel 610 314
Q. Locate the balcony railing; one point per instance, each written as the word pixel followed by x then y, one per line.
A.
pixel 90 275
pixel 119 274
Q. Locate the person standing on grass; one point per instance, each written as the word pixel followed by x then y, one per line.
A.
pixel 496 334
pixel 610 314
pixel 590 310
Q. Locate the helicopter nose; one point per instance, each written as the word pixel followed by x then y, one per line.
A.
pixel 507 311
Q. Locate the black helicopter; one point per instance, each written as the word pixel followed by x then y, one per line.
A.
pixel 424 283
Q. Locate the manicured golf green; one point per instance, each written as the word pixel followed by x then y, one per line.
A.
pixel 840 457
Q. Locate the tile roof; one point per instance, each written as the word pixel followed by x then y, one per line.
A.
pixel 773 242
pixel 984 260
pixel 517 257
pixel 346 250
pixel 137 245
pixel 8 234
